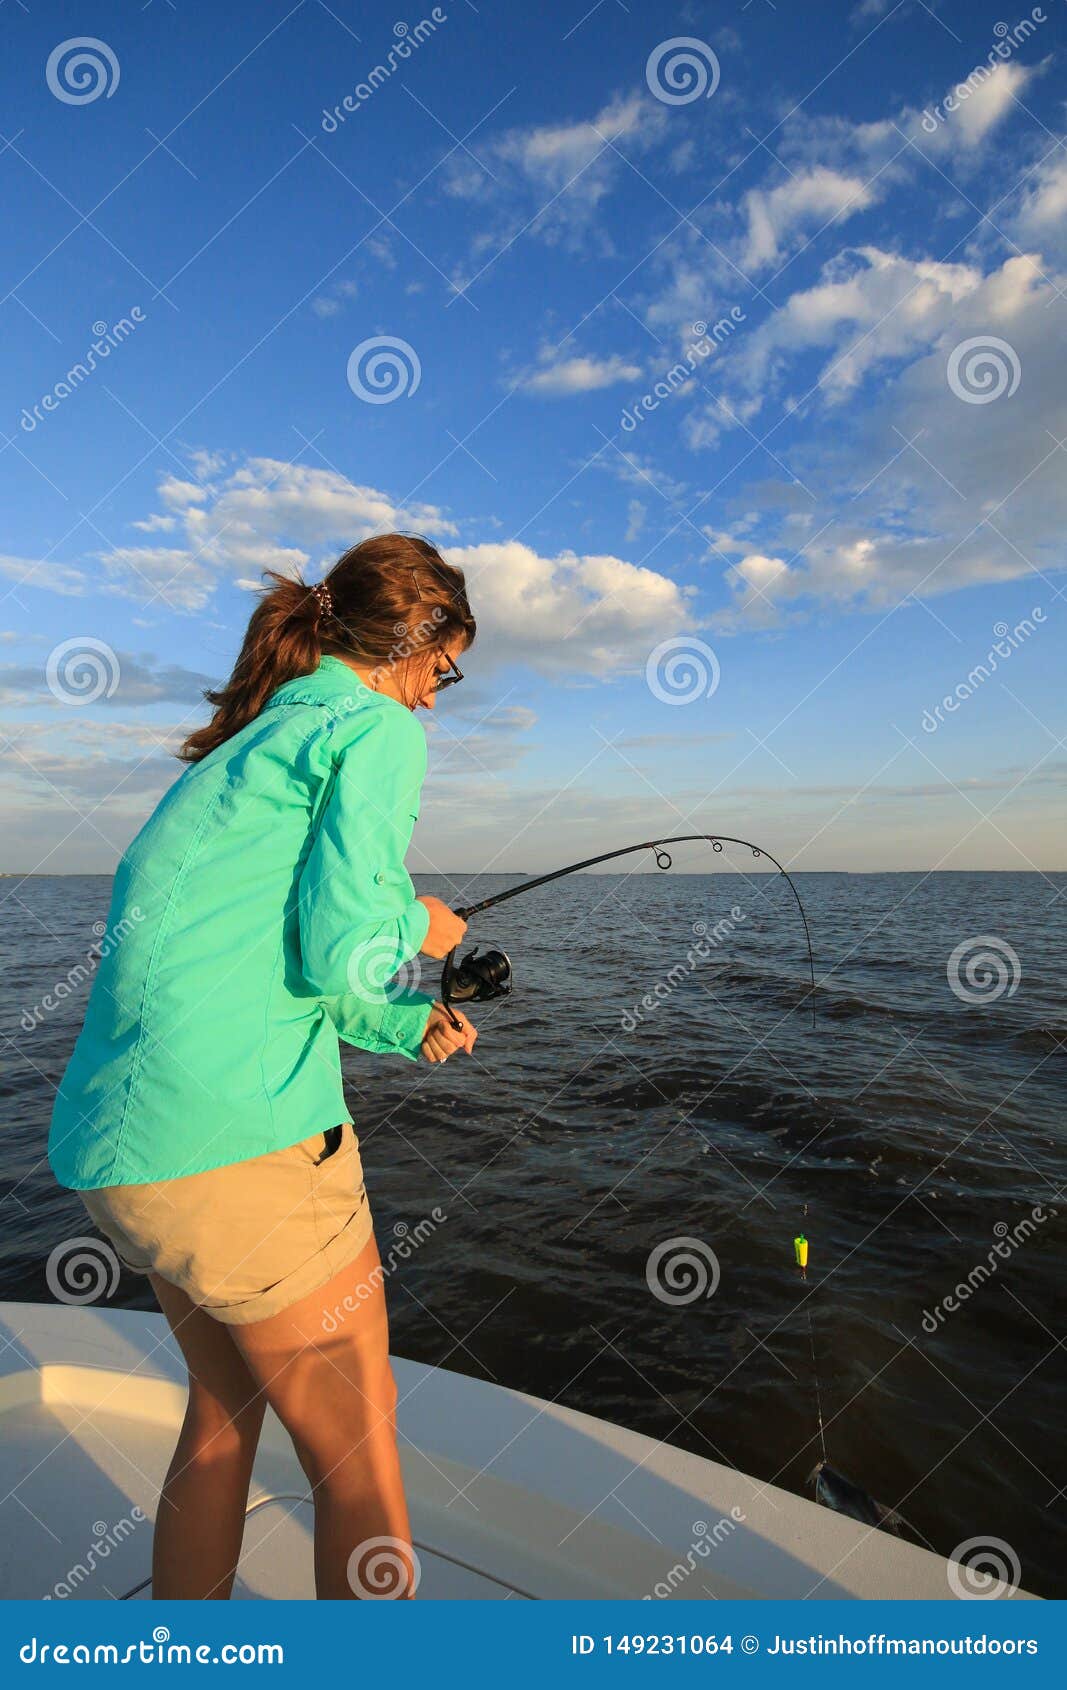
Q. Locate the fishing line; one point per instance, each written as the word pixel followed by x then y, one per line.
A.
pixel 477 979
pixel 818 1392
pixel 800 1253
pixel 832 1488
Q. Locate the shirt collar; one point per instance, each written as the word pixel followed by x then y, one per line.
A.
pixel 332 682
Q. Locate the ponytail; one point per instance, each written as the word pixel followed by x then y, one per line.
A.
pixel 382 599
pixel 281 643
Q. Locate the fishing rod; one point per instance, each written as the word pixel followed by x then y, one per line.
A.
pixel 478 979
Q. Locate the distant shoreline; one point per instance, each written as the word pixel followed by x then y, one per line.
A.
pixel 524 874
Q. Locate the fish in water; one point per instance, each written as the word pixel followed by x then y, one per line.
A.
pixel 834 1491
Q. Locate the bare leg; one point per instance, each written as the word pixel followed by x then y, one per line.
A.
pixel 201 1515
pixel 333 1391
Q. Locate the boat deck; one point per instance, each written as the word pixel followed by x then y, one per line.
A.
pixel 511 1497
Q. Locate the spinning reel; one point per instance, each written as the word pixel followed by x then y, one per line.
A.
pixel 477 979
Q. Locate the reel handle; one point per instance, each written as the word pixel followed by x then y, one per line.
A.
pixel 446 988
pixel 448 971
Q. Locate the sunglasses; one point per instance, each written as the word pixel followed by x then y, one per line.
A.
pixel 448 679
pixel 454 673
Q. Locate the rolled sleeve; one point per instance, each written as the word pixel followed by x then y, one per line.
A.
pixel 359 918
pixel 394 1027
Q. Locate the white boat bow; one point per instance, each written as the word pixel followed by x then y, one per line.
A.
pixel 510 1496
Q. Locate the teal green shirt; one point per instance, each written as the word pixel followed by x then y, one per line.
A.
pixel 263 910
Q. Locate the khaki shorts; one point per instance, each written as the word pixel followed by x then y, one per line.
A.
pixel 246 1241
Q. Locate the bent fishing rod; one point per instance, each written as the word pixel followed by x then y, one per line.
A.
pixel 478 979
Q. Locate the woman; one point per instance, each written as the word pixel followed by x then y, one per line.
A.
pixel 260 913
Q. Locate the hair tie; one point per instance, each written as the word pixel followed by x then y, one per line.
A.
pixel 320 592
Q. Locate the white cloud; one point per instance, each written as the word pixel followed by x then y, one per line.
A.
pixel 1040 218
pixel 870 308
pixel 778 216
pixel 588 614
pixel 581 375
pixel 636 513
pixel 549 180
pixel 553 154
pixel 139 680
pixel 181 493
pixel 584 614
pixel 263 514
pixel 45 573
pixel 924 492
pixel 977 104
pixel 157 524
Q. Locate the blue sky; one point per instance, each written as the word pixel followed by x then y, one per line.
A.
pixel 740 610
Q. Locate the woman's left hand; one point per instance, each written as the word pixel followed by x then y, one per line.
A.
pixel 440 1038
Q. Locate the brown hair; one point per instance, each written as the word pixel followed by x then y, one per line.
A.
pixel 383 601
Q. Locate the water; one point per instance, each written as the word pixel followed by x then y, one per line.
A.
pixel 907 1136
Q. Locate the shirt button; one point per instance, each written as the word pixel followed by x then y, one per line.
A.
pixel 379 878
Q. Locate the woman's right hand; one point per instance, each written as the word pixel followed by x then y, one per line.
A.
pixel 445 931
